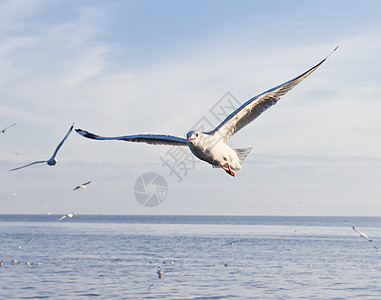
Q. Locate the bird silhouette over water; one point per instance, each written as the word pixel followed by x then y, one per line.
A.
pixel 211 146
pixel 362 234
pixel 159 272
pixel 67 216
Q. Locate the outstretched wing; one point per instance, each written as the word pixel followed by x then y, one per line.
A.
pixel 63 217
pixel 33 163
pixel 252 108
pixel 153 139
pixel 64 139
pixel 362 234
pixel 5 129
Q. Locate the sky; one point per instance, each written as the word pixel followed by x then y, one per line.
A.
pixel 128 67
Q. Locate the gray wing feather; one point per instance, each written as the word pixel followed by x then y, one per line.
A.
pixel 254 107
pixel 153 139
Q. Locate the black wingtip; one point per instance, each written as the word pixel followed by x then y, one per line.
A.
pixel 86 134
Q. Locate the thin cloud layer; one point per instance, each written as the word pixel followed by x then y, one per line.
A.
pixel 91 66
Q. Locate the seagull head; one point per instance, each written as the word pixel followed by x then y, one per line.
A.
pixel 193 136
pixel 51 162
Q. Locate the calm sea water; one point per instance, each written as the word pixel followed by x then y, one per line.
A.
pixel 116 257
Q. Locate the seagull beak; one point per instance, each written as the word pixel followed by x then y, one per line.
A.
pixel 190 139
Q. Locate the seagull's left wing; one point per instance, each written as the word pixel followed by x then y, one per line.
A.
pixel 33 163
pixel 154 139
pixel 64 139
pixel 63 217
pixel 252 108
pixel 5 129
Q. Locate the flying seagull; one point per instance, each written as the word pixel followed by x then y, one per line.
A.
pixel 82 186
pixel 52 161
pixel 5 129
pixel 67 215
pixel 211 146
pixel 362 234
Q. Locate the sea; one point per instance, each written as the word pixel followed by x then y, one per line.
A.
pixel 201 257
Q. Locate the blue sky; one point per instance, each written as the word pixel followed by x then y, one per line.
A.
pixel 126 67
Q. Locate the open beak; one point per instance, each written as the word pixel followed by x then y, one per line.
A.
pixel 190 139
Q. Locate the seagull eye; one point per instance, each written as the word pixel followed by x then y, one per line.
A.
pixel 196 134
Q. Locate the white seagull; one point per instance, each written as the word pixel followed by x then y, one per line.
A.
pixel 362 234
pixel 67 215
pixel 52 161
pixel 5 129
pixel 211 146
pixel 82 186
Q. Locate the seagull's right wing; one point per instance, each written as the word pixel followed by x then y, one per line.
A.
pixel 33 163
pixel 64 139
pixel 153 139
pixel 252 108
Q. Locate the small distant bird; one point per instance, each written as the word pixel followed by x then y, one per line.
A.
pixel 67 215
pixel 362 234
pixel 170 262
pixel 151 285
pixel 159 272
pixel 82 186
pixel 52 161
pixel 231 243
pixel 5 129
pixel 1 262
pixel 14 261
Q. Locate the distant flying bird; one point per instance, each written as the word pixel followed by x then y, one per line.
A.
pixel 362 234
pixel 230 243
pixel 67 215
pixel 52 161
pixel 211 146
pixel 151 285
pixel 82 186
pixel 5 129
pixel 159 272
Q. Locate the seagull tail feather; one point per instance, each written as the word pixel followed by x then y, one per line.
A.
pixel 242 153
